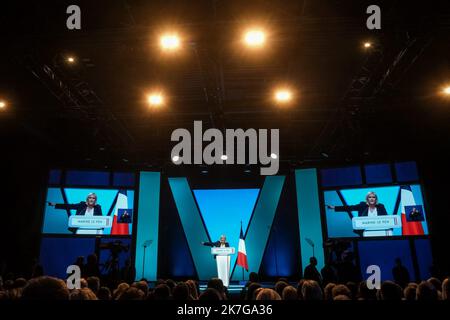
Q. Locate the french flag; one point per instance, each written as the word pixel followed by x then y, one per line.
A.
pixel 242 253
pixel 121 203
pixel 409 228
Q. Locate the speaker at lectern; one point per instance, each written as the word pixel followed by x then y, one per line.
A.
pixel 223 263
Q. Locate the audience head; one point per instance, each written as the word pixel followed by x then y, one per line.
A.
pixel 82 294
pixel 121 288
pixel 364 293
pixel 311 290
pixel 340 290
pixel 391 291
pixel 181 292
pixel 161 292
pixel 289 293
pixel 410 292
pixel 426 292
pixel 141 285
pixel 250 295
pixel 313 261
pixel 217 284
pixel 93 284
pixel 446 289
pixel 192 289
pixel 45 288
pixel 279 287
pixel 210 294
pixel 132 293
pixel 104 294
pixel 327 291
pixel 268 294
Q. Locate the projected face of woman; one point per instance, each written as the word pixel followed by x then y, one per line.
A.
pixel 91 200
pixel 372 199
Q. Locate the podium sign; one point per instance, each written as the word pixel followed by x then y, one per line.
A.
pixel 226 251
pixel 376 223
pixel 90 222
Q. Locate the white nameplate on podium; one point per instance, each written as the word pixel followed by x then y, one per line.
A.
pixel 83 222
pixel 376 223
pixel 226 251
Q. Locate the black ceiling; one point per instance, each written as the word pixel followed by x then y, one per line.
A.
pixel 350 102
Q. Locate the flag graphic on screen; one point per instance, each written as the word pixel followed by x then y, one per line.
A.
pixel 121 203
pixel 242 253
pixel 409 228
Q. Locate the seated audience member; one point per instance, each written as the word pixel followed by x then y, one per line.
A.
pixel 391 291
pixel 83 283
pixel 353 289
pixel 210 294
pixel 340 290
pixel 161 292
pixel 181 292
pixel 141 285
pixel 289 293
pixel 132 294
pixel 311 291
pixel 93 284
pixel 45 288
pixel 364 293
pixel 250 295
pixel 121 288
pixel 171 284
pixel 217 284
pixel 410 292
pixel 426 292
pixel 327 291
pixel 279 286
pixel 193 291
pixel 446 289
pixel 437 284
pixel 268 294
pixel 104 294
pixel 82 294
pixel 299 289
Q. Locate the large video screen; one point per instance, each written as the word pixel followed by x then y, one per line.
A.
pixel 82 211
pixel 375 212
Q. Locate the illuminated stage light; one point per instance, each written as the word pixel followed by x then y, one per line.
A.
pixel 367 45
pixel 170 42
pixel 273 155
pixel 70 59
pixel 255 38
pixel 283 95
pixel 224 157
pixel 155 99
pixel 446 90
pixel 3 104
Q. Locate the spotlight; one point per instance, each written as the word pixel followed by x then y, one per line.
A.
pixel 175 159
pixel 273 155
pixel 255 38
pixel 3 104
pixel 224 157
pixel 283 95
pixel 155 99
pixel 70 59
pixel 169 42
pixel 446 90
pixel 367 45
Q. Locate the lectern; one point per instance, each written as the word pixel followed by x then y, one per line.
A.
pixel 223 263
